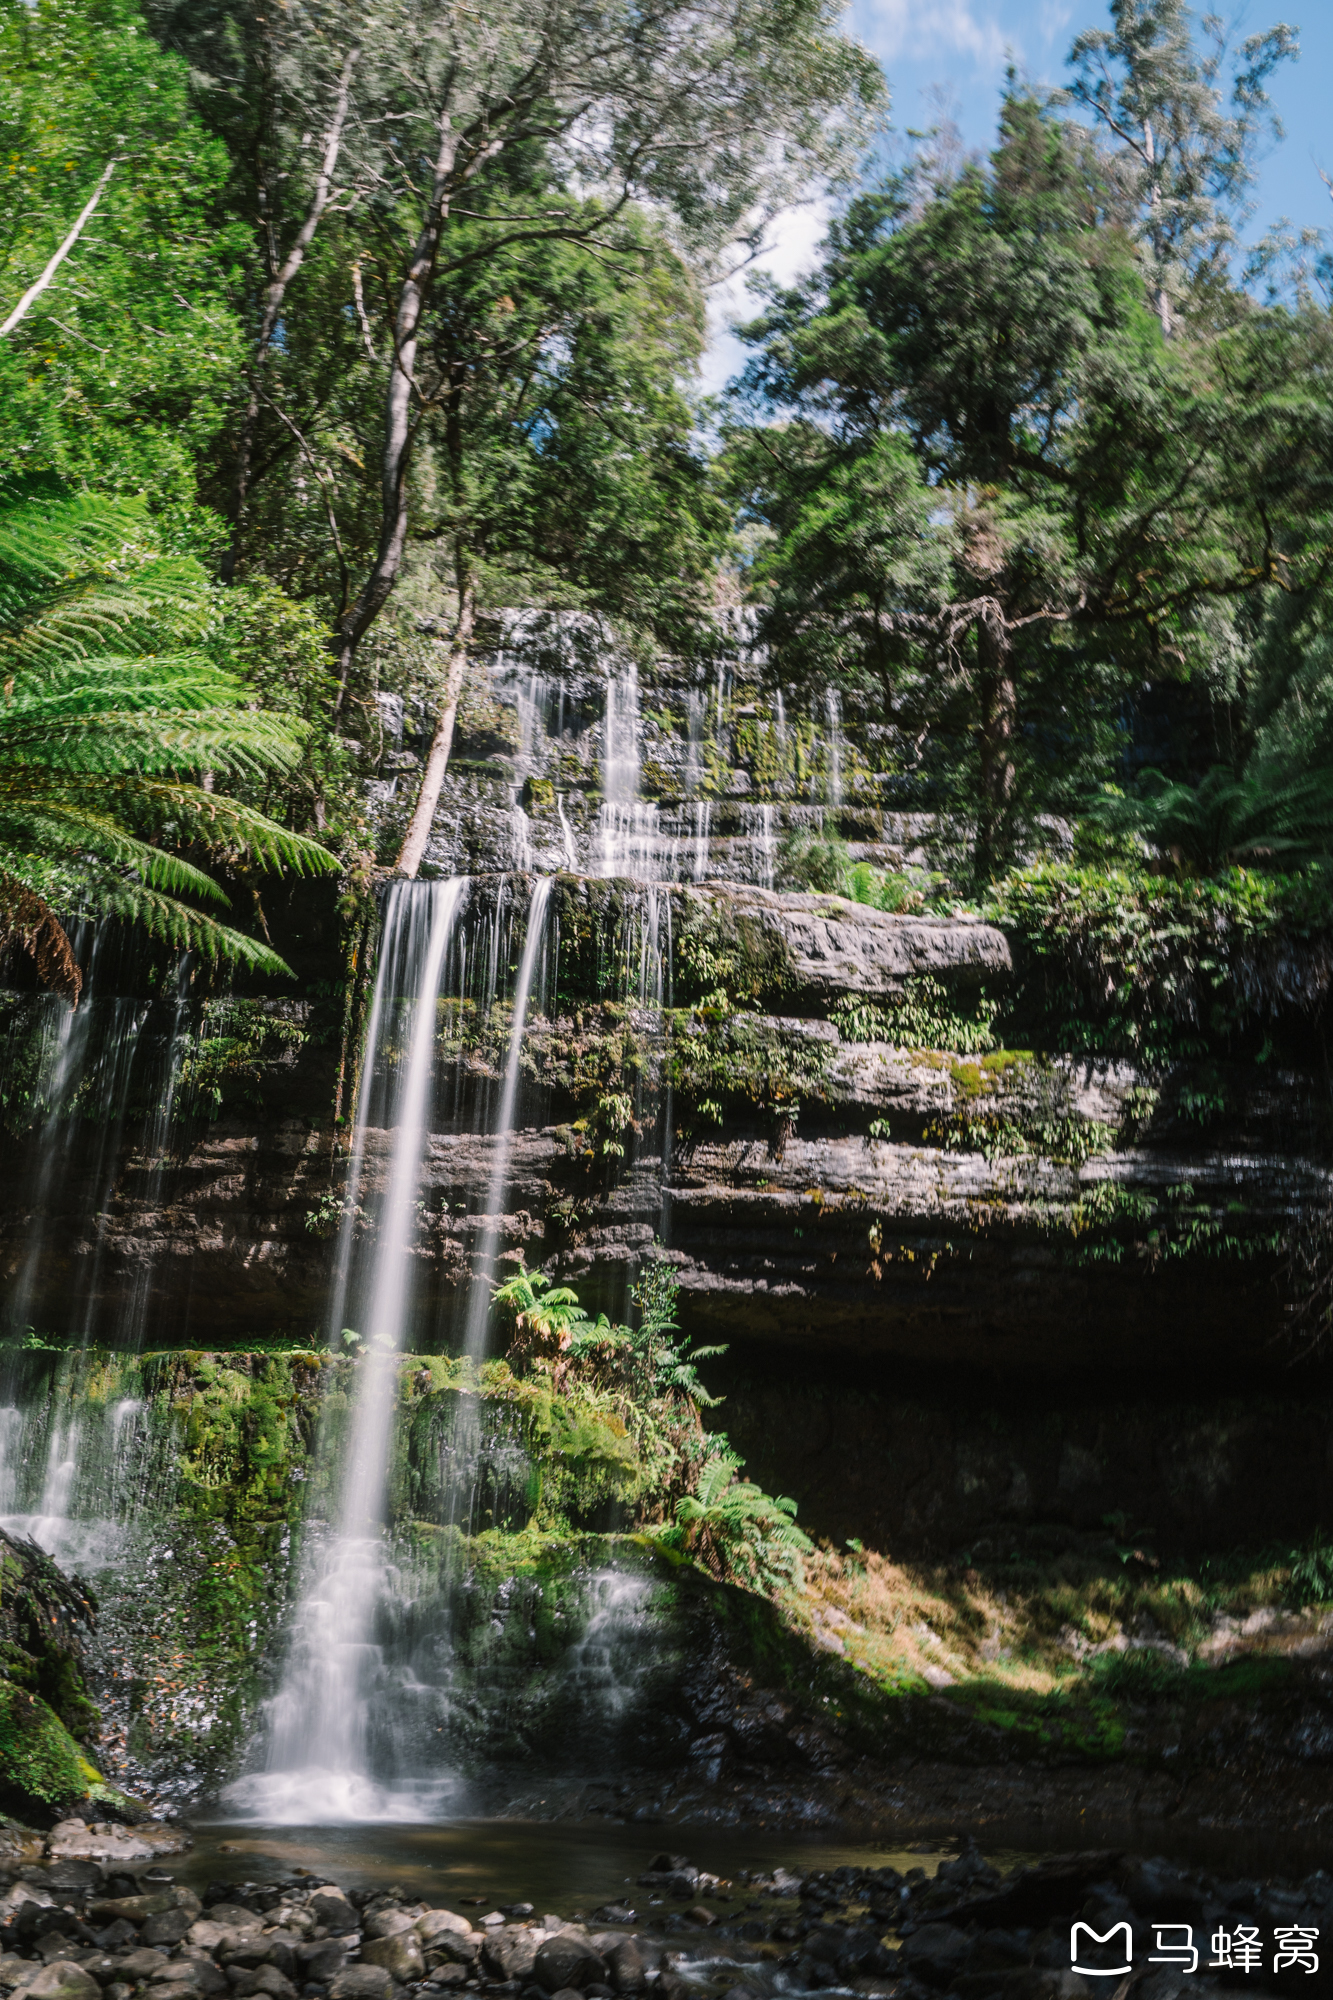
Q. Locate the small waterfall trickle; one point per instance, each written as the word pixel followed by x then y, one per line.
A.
pixel 479 1291
pixel 571 853
pixel 763 844
pixel 703 816
pixel 833 704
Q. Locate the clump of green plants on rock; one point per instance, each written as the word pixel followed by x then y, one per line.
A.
pixel 565 1373
pixel 737 1064
pixel 1124 961
pixel 925 1015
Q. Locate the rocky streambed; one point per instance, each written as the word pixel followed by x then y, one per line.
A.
pixel 77 1928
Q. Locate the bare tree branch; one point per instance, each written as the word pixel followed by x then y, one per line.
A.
pixel 34 292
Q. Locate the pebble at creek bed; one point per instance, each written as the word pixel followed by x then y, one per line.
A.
pixel 914 1925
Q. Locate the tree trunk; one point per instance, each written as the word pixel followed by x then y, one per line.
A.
pixel 274 297
pixel 437 760
pixel 999 709
pixel 1163 301
pixel 399 431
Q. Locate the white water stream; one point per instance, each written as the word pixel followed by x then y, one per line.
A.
pixel 479 1292
pixel 318 1752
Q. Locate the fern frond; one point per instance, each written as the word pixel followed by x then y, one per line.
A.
pixel 105 700
pixel 170 595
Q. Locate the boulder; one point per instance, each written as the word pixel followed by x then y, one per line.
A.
pixel 510 1952
pixel 937 1952
pixel 321 1958
pixel 361 1982
pixel 114 1937
pixel 453 1948
pixel 166 1927
pixel 116 1845
pixel 431 1922
pixel 75 1875
pixel 61 1980
pixel 47 1921
pixel 280 1949
pixel 103 1967
pixel 135 1909
pixel 399 1954
pixel 265 1979
pixel 199 1974
pixel 332 1909
pixel 624 1964
pixel 567 1959
pixel 387 1923
pixel 234 1917
pixel 134 1966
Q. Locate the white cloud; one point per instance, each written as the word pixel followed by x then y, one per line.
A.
pixel 792 249
pixel 914 29
pixel 1053 20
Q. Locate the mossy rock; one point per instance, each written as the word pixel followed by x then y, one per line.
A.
pixel 42 1769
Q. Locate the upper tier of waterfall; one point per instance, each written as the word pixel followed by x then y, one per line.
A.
pixel 568 755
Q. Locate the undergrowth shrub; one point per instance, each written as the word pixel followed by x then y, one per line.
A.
pixel 925 1015
pixel 1126 962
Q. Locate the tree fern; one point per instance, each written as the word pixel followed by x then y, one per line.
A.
pixel 109 706
pixel 736 1530
pixel 1260 817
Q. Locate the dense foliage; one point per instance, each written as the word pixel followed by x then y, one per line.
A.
pixel 110 696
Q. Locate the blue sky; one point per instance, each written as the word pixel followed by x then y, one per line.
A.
pixel 956 51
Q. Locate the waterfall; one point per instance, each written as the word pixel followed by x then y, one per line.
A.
pixel 571 853
pixel 98 1060
pixel 479 1292
pixel 628 839
pixel 763 844
pixel 834 706
pixel 80 1470
pixel 318 1724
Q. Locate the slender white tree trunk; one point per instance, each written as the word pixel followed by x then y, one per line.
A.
pixel 437 759
pixel 34 292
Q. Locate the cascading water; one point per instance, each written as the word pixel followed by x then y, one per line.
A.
pixel 479 1291
pixel 628 835
pixel 318 1762
pixel 79 1473
pixel 833 704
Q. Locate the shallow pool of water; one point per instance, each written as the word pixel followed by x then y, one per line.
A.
pixel 562 1867
pixel 568 1866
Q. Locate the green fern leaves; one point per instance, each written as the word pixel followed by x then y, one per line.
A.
pixel 111 714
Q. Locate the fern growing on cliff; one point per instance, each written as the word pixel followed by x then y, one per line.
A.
pixel 114 727
pixel 736 1531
